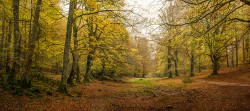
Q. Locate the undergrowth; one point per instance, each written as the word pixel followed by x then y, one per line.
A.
pixel 41 86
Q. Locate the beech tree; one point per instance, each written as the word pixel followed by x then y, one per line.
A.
pixel 17 42
pixel 26 81
pixel 63 85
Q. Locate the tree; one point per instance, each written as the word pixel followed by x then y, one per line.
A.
pixel 17 42
pixel 75 64
pixel 63 86
pixel 26 81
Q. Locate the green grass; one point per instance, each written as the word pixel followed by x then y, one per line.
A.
pixel 144 81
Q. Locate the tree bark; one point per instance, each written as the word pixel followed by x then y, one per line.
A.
pixel 236 52
pixel 227 56
pixel 2 42
pixel 92 34
pixel 232 57
pixel 192 64
pixel 247 49
pixel 71 76
pixel 26 80
pixel 88 68
pixel 7 46
pixel 199 64
pixel 63 86
pixel 17 44
pixel 216 65
pixel 75 53
pixel 243 51
pixel 176 63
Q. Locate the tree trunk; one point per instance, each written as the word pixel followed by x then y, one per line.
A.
pixel 92 33
pixel 71 76
pixel 216 65
pixel 26 80
pixel 63 86
pixel 75 53
pixel 88 68
pixel 232 57
pixel 7 46
pixel 17 44
pixel 236 52
pixel 2 42
pixel 247 49
pixel 192 64
pixel 176 63
pixel 103 70
pixel 243 51
pixel 227 56
pixel 169 61
pixel 199 64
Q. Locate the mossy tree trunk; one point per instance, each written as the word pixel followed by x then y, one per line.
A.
pixel 232 56
pixel 216 66
pixel 88 69
pixel 236 52
pixel 2 41
pixel 75 53
pixel 26 80
pixel 227 56
pixel 176 63
pixel 7 46
pixel 17 43
pixel 192 64
pixel 63 85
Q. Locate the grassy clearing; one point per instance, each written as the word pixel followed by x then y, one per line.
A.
pixel 144 81
pixel 152 82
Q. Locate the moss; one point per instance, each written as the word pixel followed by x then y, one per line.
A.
pixel 41 85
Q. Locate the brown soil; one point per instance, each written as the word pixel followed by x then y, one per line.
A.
pixel 229 91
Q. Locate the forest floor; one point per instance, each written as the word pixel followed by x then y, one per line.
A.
pixel 229 91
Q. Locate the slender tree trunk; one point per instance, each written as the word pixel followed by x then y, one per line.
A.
pixel 2 42
pixel 236 52
pixel 176 63
pixel 232 57
pixel 192 64
pixel 227 56
pixel 7 46
pixel 199 64
pixel 17 38
pixel 26 80
pixel 63 86
pixel 92 49
pixel 75 53
pixel 243 51
pixel 247 49
pixel 169 63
